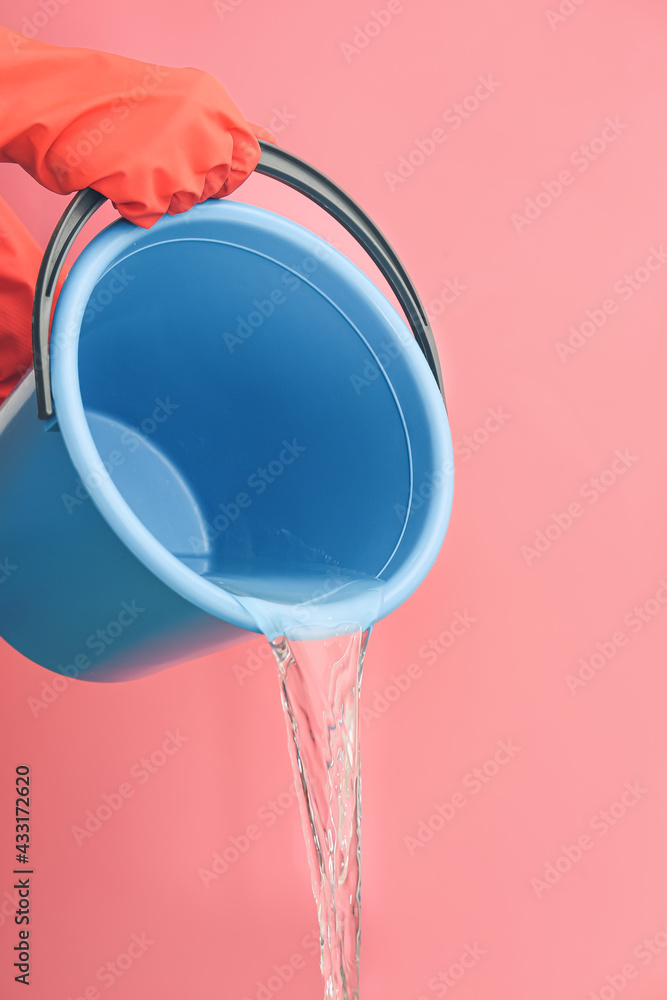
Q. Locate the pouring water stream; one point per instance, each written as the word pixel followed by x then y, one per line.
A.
pixel 319 653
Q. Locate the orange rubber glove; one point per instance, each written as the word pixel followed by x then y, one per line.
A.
pixel 20 258
pixel 153 139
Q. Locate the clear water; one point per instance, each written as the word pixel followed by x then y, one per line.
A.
pixel 319 687
pixel 319 646
pixel 316 602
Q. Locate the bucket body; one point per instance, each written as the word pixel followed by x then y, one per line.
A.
pixel 238 411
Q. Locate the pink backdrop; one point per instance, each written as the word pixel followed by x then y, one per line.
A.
pixel 515 794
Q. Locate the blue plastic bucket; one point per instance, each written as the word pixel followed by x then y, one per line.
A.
pixel 236 408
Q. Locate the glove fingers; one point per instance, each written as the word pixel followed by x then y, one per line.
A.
pixel 238 146
pixel 245 158
pixel 262 133
pixel 216 178
pixel 181 201
pixel 224 178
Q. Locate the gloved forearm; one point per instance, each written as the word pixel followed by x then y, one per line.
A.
pixel 20 258
pixel 153 139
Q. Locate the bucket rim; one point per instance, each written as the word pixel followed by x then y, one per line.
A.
pixel 108 248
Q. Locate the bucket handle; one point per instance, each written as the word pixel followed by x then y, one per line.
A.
pixel 274 162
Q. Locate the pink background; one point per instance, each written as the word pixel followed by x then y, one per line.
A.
pixel 479 881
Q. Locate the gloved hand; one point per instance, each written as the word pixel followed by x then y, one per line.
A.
pixel 153 139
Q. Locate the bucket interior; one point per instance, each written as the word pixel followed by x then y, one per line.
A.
pixel 244 415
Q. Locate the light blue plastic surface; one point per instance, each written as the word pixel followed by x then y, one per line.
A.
pixel 175 383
